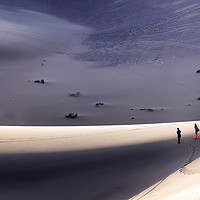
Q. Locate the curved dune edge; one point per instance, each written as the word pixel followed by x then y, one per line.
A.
pixel 182 184
pixel 71 138
pixel 90 151
pixel 179 185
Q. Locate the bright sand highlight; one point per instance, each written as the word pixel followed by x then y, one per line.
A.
pixel 121 161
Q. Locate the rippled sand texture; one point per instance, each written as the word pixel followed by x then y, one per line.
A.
pixel 139 60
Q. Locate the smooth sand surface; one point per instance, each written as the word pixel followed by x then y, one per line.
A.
pixel 182 184
pixel 99 162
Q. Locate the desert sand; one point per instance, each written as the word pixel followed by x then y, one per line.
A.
pixel 129 72
pixel 49 48
pixel 99 162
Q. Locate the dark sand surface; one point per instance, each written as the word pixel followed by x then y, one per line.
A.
pixel 90 163
pixel 126 54
pixel 110 173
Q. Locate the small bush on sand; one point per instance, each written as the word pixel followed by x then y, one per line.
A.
pixel 40 81
pixel 74 94
pixel 99 104
pixel 71 115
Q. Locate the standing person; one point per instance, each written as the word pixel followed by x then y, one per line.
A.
pixel 178 135
pixel 196 131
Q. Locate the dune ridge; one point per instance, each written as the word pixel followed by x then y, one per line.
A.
pixel 101 162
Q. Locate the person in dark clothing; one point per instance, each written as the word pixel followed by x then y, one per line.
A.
pixel 196 130
pixel 178 135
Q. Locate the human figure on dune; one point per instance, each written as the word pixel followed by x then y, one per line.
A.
pixel 178 135
pixel 196 131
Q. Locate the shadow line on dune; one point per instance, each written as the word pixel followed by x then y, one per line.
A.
pixel 135 167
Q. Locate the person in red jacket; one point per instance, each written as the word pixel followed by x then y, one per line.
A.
pixel 196 131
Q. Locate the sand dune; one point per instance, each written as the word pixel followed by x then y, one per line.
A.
pixel 100 162
pixel 127 67
pixel 104 66
pixel 182 184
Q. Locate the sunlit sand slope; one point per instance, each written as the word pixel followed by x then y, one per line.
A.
pixel 100 162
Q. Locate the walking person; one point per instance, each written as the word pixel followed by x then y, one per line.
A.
pixel 196 131
pixel 178 135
